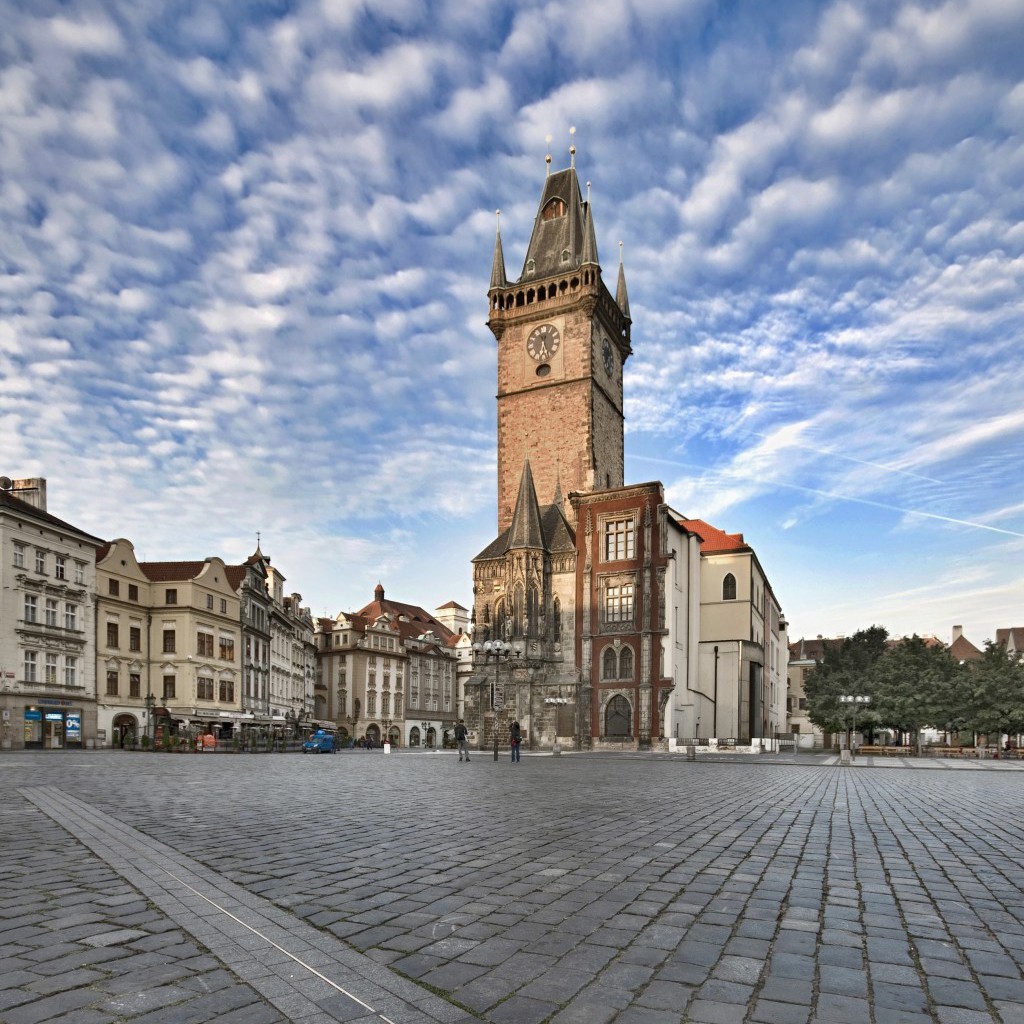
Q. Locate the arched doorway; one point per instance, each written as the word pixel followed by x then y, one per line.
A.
pixel 125 731
pixel 394 736
pixel 414 736
pixel 373 734
pixel 618 717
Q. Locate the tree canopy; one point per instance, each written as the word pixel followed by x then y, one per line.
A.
pixel 911 684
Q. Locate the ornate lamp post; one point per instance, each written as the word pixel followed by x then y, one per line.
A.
pixel 854 700
pixel 500 651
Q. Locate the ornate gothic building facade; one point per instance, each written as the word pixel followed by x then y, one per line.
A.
pixel 573 585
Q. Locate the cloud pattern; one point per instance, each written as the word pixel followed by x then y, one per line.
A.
pixel 246 253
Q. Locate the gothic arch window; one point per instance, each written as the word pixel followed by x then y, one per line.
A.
pixel 729 587
pixel 618 717
pixel 609 664
pixel 531 265
pixel 518 610
pixel 532 612
pixel 554 208
pixel 626 663
pixel 566 255
pixel 556 617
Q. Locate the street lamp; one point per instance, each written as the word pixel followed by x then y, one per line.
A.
pixel 499 651
pixel 854 700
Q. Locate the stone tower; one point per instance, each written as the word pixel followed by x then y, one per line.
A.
pixel 562 342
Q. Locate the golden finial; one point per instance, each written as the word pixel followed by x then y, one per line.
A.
pixel 620 252
pixel 547 159
pixel 572 148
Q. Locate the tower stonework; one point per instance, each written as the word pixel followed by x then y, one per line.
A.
pixel 562 342
pixel 563 339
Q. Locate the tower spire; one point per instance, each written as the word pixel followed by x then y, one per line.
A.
pixel 621 298
pixel 589 254
pixel 498 278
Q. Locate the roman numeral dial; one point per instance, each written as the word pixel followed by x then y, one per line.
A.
pixel 543 342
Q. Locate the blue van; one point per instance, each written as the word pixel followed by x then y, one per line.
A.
pixel 321 742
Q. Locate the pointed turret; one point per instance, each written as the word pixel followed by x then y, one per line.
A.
pixel 590 239
pixel 621 298
pixel 498 278
pixel 525 530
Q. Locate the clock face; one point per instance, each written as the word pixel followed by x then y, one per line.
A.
pixel 543 342
pixel 609 359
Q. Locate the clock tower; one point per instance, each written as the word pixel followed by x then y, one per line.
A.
pixel 563 339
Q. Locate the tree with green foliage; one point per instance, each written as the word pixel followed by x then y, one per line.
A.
pixel 996 692
pixel 845 670
pixel 910 683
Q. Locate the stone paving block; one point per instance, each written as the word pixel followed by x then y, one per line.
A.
pixel 520 1010
pixel 949 992
pixel 703 1011
pixel 769 1012
pixel 911 998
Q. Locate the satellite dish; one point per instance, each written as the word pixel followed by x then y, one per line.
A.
pixel 6 483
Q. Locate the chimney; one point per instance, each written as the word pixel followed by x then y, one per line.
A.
pixel 32 491
pixel 958 631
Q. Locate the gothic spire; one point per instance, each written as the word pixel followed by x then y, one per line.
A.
pixel 525 530
pixel 621 298
pixel 498 279
pixel 590 239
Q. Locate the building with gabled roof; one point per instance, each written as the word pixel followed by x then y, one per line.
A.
pixel 1012 639
pixel 387 673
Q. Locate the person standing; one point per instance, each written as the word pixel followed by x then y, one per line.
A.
pixel 461 735
pixel 516 735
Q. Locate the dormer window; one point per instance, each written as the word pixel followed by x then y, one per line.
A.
pixel 566 256
pixel 531 266
pixel 555 208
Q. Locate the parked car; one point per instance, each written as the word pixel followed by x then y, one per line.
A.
pixel 321 742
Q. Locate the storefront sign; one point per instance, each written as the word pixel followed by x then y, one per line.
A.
pixel 73 727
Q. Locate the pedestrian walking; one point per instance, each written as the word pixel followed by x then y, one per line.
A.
pixel 516 736
pixel 461 735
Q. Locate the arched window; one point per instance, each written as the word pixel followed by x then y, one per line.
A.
pixel 626 663
pixel 617 718
pixel 518 610
pixel 555 208
pixel 729 587
pixel 556 620
pixel 609 668
pixel 532 612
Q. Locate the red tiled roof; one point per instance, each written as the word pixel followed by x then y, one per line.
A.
pixel 963 650
pixel 712 539
pixel 171 572
pixel 1014 633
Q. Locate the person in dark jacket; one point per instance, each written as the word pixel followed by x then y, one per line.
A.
pixel 516 736
pixel 461 736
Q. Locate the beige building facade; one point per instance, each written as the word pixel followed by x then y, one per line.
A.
pixel 47 624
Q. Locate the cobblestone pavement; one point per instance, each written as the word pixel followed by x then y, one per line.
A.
pixel 581 889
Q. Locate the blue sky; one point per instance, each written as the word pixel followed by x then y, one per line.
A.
pixel 246 248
